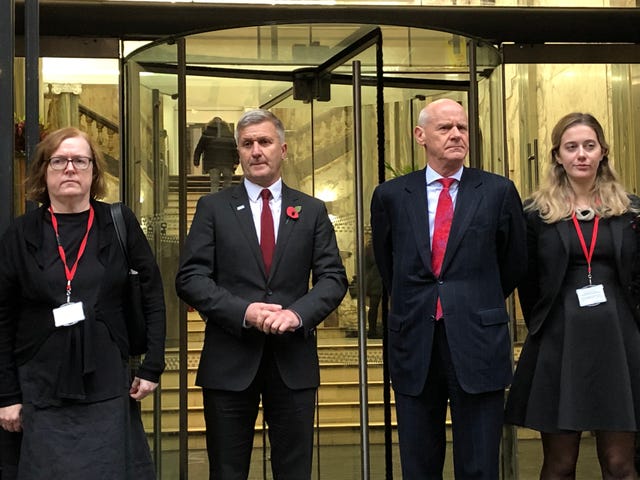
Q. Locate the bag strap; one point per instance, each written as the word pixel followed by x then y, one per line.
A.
pixel 121 227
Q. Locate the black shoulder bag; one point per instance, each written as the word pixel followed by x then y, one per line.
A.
pixel 134 314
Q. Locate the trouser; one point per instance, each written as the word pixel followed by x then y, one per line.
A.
pixel 218 183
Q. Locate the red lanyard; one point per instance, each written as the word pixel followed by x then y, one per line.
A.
pixel 594 236
pixel 70 273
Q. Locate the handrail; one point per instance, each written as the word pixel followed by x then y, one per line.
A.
pixel 99 119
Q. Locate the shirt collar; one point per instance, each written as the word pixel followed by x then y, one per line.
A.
pixel 253 190
pixel 433 176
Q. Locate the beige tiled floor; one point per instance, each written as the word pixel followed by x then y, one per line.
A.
pixel 343 463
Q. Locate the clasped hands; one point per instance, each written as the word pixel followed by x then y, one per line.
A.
pixel 271 318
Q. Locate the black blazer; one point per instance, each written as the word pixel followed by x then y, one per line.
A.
pixel 26 299
pixel 221 272
pixel 485 258
pixel 548 246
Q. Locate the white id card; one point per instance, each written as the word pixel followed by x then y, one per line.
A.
pixel 591 295
pixel 68 314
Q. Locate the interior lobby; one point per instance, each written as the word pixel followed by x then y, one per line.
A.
pixel 348 79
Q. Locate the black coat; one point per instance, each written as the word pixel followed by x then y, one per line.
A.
pixel 217 148
pixel 548 259
pixel 27 300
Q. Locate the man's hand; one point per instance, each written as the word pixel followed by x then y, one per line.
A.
pixel 11 418
pixel 280 322
pixel 257 313
pixel 140 388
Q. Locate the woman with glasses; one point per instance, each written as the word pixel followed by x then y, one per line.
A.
pixel 64 376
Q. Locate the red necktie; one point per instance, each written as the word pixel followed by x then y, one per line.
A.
pixel 267 236
pixel 441 227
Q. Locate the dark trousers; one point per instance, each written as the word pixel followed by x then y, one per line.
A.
pixel 638 452
pixel 372 314
pixel 9 454
pixel 214 176
pixel 230 420
pixel 476 418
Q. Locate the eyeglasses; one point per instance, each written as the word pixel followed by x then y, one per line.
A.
pixel 79 162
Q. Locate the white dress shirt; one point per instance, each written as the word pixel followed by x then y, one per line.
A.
pixel 434 187
pixel 255 202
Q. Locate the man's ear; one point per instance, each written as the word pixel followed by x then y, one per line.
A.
pixel 418 134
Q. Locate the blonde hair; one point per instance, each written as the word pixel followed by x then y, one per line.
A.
pixel 555 198
pixel 36 181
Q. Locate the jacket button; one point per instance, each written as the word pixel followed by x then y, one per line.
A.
pixel 440 282
pixel 269 292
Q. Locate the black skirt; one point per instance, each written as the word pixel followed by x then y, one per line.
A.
pixel 101 441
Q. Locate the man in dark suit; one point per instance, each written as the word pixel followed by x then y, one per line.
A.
pixel 260 338
pixel 448 326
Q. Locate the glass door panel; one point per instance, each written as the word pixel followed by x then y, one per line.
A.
pixel 152 129
pixel 319 162
pixel 490 111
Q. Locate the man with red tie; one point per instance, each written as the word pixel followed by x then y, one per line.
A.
pixel 450 245
pixel 246 266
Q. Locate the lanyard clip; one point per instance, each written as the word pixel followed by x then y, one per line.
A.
pixel 68 291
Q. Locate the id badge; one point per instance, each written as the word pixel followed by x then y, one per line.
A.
pixel 68 314
pixel 591 295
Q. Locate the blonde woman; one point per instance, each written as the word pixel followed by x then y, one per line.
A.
pixel 580 366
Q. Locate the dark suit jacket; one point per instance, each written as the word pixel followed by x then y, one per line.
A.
pixel 221 272
pixel 548 246
pixel 485 257
pixel 27 299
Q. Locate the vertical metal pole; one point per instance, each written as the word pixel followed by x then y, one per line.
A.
pixel 362 338
pixel 9 441
pixel 182 219
pixel 156 166
pixel 474 127
pixel 7 125
pixel 124 127
pixel 32 83
pixel 510 432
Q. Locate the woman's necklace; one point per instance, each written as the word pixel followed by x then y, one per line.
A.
pixel 585 214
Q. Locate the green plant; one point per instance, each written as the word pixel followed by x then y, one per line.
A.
pixel 401 170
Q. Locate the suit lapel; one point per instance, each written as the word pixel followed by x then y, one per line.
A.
pixel 242 212
pixel 33 234
pixel 290 198
pixel 565 229
pixel 618 226
pixel 102 222
pixel 468 200
pixel 418 209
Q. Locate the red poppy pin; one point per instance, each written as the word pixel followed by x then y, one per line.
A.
pixel 294 212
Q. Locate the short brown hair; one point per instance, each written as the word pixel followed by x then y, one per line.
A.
pixel 36 181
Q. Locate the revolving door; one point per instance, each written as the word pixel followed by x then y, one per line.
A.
pixel 305 75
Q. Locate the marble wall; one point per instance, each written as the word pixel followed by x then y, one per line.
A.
pixel 537 96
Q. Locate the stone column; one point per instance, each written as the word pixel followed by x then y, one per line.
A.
pixel 63 106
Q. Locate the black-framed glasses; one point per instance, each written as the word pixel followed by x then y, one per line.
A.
pixel 79 162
